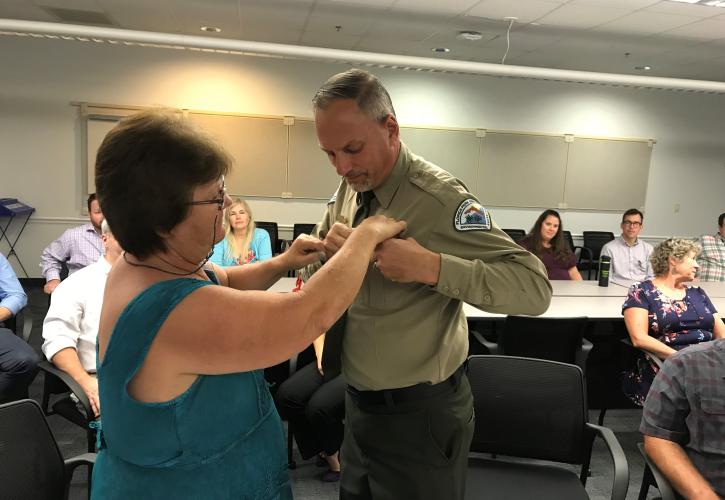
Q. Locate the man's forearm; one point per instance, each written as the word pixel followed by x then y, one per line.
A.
pixel 678 468
pixel 68 361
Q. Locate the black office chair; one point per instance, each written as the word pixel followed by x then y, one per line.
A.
pixel 594 241
pixel 582 254
pixel 515 234
pixel 652 476
pixel 21 324
pixel 300 228
pixel 555 339
pixel 32 465
pixel 56 382
pixel 533 409
pixel 272 229
pixel 655 359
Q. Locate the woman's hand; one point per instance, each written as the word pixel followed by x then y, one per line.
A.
pixel 382 228
pixel 304 251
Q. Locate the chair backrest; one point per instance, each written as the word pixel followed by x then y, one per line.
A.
pixel 569 239
pixel 32 466
pixel 271 228
pixel 529 408
pixel 555 339
pixel 300 228
pixel 595 240
pixel 515 234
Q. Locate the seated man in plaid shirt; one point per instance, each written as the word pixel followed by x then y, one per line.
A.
pixel 712 258
pixel 684 421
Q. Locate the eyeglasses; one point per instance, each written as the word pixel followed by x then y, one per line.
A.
pixel 631 223
pixel 217 201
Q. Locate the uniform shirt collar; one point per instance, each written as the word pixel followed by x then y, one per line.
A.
pixel 387 190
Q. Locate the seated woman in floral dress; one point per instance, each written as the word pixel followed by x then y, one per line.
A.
pixel 665 314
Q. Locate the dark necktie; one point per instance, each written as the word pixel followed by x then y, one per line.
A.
pixel 363 207
pixel 332 350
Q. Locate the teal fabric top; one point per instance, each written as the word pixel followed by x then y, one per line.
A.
pixel 221 439
pixel 260 248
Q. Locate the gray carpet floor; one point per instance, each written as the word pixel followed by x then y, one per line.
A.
pixel 306 477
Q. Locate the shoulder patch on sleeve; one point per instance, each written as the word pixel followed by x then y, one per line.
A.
pixel 471 216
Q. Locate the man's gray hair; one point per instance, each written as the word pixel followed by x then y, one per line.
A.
pixel 362 86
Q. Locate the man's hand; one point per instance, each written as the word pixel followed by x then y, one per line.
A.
pixel 90 387
pixel 335 238
pixel 50 285
pixel 406 261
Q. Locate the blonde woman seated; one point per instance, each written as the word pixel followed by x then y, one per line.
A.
pixel 243 243
pixel 665 314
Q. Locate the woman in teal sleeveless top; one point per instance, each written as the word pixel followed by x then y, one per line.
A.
pixel 185 410
pixel 186 447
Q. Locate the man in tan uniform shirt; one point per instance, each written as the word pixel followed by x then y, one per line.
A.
pixel 409 409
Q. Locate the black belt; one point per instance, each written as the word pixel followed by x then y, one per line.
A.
pixel 392 397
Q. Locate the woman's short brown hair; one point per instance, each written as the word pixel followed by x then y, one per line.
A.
pixel 146 171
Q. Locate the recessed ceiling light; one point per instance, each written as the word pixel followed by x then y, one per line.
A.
pixel 643 68
pixel 211 29
pixel 471 36
pixel 440 50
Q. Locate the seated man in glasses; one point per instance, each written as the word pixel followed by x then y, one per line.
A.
pixel 629 254
pixel 70 328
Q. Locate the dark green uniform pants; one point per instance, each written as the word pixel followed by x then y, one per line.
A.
pixel 416 450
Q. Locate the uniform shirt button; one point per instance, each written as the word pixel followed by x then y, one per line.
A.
pixel 487 298
pixel 456 291
pixel 446 289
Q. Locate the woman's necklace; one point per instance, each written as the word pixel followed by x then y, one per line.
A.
pixel 149 266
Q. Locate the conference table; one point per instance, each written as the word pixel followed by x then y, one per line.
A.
pixel 570 299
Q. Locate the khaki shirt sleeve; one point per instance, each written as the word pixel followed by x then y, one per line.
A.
pixel 320 232
pixel 487 269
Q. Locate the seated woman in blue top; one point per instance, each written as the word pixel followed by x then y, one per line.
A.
pixel 665 314
pixel 181 343
pixel 243 243
pixel 546 241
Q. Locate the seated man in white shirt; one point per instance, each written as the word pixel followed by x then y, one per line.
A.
pixel 70 328
pixel 629 254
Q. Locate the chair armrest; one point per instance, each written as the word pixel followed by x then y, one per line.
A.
pixel 27 325
pixel 49 368
pixel 655 359
pixel 72 464
pixel 663 484
pixel 492 347
pixel 620 484
pixel 21 324
pixel 581 355
pixel 85 459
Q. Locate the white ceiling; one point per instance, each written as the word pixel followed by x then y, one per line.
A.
pixel 613 36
